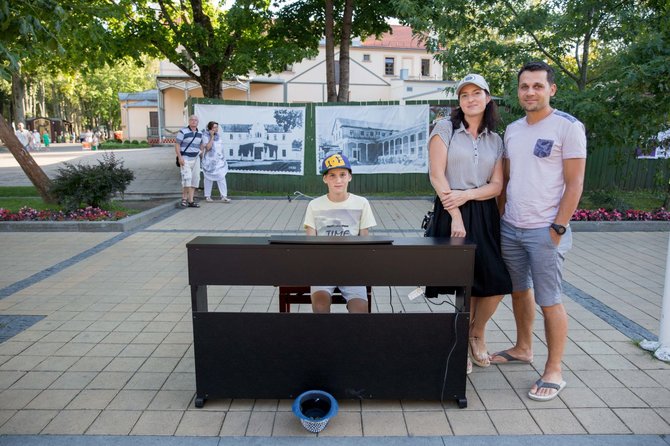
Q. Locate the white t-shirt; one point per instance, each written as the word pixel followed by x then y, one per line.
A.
pixel 346 217
pixel 536 153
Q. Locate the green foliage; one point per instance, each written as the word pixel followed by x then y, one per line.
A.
pixel 115 144
pixel 91 185
pixel 612 57
pixel 18 191
pixel 610 199
pixel 210 43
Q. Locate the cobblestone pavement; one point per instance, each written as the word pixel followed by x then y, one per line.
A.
pixel 112 359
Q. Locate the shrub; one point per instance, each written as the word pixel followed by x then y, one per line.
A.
pixel 126 141
pixel 92 185
pixel 134 141
pixel 609 199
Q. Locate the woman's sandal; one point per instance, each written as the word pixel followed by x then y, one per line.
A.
pixel 183 203
pixel 477 360
pixel 193 204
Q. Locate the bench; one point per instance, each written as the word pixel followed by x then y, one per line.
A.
pixel 301 295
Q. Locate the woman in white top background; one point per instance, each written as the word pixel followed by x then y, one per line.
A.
pixel 214 165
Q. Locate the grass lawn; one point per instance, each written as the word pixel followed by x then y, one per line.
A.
pixel 14 198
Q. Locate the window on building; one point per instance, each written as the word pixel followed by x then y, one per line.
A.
pixel 389 66
pixel 366 58
pixel 283 153
pixel 425 67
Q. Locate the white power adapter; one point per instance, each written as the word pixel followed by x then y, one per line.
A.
pixel 416 292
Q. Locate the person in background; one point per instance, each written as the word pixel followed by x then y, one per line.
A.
pixel 338 213
pixel 466 172
pixel 37 140
pixel 214 164
pixel 24 136
pixel 47 140
pixel 187 147
pixel 545 161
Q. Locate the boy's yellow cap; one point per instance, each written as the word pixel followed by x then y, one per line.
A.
pixel 336 161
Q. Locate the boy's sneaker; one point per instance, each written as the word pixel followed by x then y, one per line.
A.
pixel 225 199
pixel 208 199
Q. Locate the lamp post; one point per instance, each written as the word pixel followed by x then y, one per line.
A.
pixel 661 348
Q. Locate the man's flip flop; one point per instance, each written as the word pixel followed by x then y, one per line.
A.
pixel 546 385
pixel 508 358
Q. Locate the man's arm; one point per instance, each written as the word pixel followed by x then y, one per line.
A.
pixel 502 198
pixel 573 175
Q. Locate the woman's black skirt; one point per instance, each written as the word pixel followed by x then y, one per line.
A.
pixel 482 225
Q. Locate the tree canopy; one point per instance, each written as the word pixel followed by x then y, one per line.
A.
pixel 611 56
pixel 210 43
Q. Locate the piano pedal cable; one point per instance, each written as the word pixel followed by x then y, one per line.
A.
pixel 453 347
pixel 446 365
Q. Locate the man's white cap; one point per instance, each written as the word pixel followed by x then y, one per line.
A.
pixel 474 79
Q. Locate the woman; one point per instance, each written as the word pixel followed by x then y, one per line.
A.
pixel 214 165
pixel 467 174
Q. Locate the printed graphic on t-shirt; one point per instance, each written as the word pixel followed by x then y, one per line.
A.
pixel 337 222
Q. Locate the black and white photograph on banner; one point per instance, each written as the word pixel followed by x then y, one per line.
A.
pixel 259 139
pixel 375 138
pixel 661 149
pixel 437 113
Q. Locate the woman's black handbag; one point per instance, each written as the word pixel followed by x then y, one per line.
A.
pixel 427 223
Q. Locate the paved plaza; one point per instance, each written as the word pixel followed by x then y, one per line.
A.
pixel 108 358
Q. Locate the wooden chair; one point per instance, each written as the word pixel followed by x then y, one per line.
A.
pixel 301 295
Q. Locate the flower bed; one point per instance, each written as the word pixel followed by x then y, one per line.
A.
pixel 86 214
pixel 616 215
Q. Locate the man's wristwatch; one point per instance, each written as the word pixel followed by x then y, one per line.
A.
pixel 560 229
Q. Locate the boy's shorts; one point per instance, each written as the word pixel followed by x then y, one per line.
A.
pixel 533 261
pixel 348 292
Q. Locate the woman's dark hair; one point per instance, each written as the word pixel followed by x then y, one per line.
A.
pixel 211 124
pixel 490 121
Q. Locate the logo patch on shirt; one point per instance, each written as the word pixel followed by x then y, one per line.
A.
pixel 543 148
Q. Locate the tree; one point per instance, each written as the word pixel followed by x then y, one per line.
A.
pixel 25 34
pixel 337 21
pixel 610 56
pixel 209 43
pixel 288 119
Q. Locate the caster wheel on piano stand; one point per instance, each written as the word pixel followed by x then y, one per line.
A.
pixel 199 401
pixel 462 403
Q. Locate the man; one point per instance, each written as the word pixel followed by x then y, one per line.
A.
pixel 545 160
pixel 25 137
pixel 188 150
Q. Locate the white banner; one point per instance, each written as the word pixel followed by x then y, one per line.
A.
pixel 375 138
pixel 265 140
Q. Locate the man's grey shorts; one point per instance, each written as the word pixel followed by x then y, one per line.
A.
pixel 348 292
pixel 532 259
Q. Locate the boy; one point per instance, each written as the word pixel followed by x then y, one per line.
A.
pixel 338 213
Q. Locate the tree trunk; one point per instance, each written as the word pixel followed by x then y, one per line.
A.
pixel 345 45
pixel 210 80
pixel 34 172
pixel 330 53
pixel 18 95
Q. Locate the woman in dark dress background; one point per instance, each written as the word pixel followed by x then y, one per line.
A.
pixel 466 172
